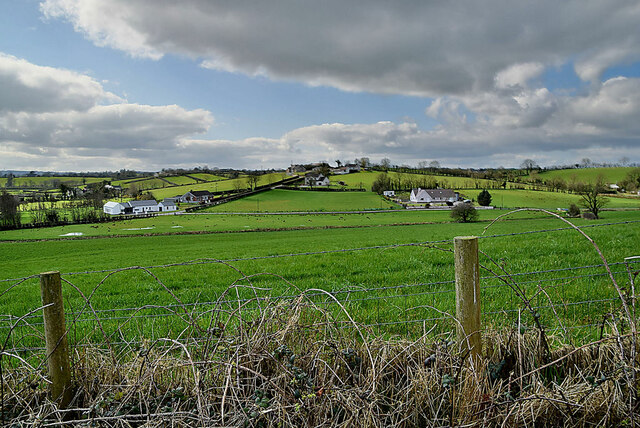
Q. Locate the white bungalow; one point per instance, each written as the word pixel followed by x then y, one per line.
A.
pixel 168 204
pixel 389 193
pixel 433 195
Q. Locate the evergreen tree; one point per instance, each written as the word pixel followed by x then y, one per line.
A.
pixel 484 198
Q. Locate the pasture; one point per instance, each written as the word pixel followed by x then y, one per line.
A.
pixel 365 179
pixel 214 186
pixel 548 200
pixel 299 200
pixel 37 182
pixel 383 272
pixel 611 174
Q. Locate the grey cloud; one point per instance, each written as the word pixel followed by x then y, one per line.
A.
pixel 408 47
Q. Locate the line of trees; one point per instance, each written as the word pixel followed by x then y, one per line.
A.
pixel 402 182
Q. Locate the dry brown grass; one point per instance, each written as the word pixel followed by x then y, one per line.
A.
pixel 293 365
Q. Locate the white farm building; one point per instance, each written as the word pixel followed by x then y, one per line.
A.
pixel 138 207
pixel 433 195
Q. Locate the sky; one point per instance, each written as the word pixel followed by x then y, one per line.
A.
pixel 95 85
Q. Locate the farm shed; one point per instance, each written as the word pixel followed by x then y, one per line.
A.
pixel 113 208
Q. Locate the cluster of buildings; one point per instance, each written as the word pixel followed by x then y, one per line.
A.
pixel 139 207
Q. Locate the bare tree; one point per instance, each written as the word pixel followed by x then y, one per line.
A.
pixel 529 164
pixel 252 181
pixel 238 185
pixel 385 163
pixel 586 162
pixel 591 195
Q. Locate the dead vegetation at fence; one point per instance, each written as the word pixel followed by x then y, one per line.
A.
pixel 294 365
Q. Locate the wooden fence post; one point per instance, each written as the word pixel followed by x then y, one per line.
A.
pixel 55 332
pixel 467 268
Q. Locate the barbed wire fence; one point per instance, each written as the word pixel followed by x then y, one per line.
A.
pixel 374 300
pixel 576 304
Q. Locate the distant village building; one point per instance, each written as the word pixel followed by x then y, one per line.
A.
pixel 316 179
pixel 197 196
pixel 389 193
pixel 433 195
pixel 295 169
pixel 346 169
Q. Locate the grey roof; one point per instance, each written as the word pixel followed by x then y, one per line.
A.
pixel 140 204
pixel 441 193
pixel 200 192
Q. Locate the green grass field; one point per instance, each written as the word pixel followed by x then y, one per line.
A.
pixel 391 283
pixel 208 177
pixel 611 175
pixel 548 200
pixel 40 181
pixel 365 179
pixel 297 200
pixel 180 180
pixel 216 186
pixel 210 223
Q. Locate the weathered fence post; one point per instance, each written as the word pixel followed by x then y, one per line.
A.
pixel 467 268
pixel 55 332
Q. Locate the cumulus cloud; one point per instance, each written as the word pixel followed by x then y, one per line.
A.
pixel 26 87
pixel 51 116
pixel 407 47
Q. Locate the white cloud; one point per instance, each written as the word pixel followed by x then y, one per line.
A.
pixel 517 75
pixel 52 117
pixel 32 88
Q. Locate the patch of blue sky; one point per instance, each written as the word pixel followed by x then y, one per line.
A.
pixel 626 70
pixel 563 79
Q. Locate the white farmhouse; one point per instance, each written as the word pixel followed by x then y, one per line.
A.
pixel 389 193
pixel 316 179
pixel 433 195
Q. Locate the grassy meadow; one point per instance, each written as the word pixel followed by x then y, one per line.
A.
pixel 214 186
pixel 373 262
pixel 387 285
pixel 548 200
pixel 365 179
pixel 298 200
pixel 611 174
